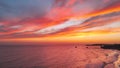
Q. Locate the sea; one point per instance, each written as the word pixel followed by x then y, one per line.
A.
pixel 52 56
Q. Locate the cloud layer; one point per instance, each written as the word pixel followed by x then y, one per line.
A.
pixel 38 18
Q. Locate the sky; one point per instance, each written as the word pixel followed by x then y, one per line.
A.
pixel 81 21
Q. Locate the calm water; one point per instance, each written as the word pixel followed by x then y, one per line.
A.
pixel 45 56
pixel 37 56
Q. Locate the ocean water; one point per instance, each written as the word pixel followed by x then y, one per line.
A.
pixel 36 56
pixel 49 56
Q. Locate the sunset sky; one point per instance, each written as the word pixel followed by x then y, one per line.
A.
pixel 81 21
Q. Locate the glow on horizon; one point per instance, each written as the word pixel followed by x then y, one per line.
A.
pixel 87 38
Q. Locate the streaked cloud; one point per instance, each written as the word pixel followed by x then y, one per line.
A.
pixel 59 27
pixel 38 18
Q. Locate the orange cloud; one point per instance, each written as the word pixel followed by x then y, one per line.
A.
pixel 67 20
